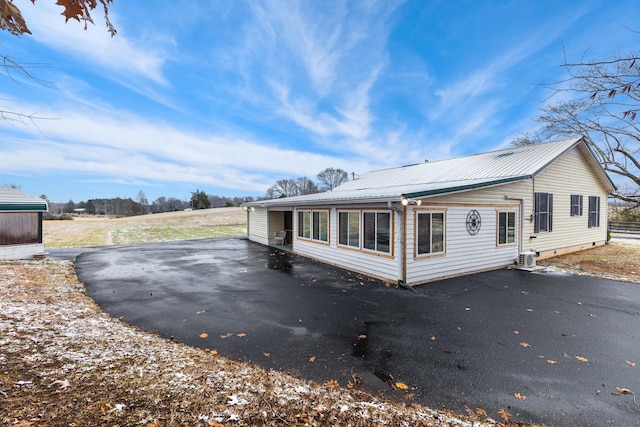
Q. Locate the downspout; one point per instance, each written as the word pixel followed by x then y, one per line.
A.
pixel 402 262
pixel 521 239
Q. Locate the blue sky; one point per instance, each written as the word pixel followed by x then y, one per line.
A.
pixel 229 96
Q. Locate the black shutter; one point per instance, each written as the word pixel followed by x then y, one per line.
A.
pixel 550 212
pixel 536 214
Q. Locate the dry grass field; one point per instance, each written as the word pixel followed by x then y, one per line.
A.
pixel 183 225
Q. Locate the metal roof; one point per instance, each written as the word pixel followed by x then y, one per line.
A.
pixel 447 176
pixel 12 200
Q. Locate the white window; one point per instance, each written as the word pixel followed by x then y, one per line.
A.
pixel 430 234
pixel 376 231
pixel 543 217
pixel 576 205
pixel 506 228
pixel 349 228
pixel 314 225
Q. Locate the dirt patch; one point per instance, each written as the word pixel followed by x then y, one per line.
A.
pixel 618 260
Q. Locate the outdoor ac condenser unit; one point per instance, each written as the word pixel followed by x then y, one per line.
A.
pixel 527 259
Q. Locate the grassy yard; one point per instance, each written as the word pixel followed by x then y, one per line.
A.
pixel 183 225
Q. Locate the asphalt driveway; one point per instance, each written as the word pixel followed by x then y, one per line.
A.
pixel 545 347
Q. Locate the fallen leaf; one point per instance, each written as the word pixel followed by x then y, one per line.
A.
pixel 204 335
pixel 529 310
pixel 227 335
pixel 623 390
pixel 582 359
pixel 467 308
pixel 631 363
pixel 433 338
pixel 516 332
pixel 214 352
pixel 524 344
pixel 266 354
pixel 332 383
pixel 481 412
pixel 557 312
pixel 409 396
pixel 401 386
pixel 520 396
pixel 362 337
pixel 504 414
pixel 312 359
pixel 200 311
pixel 551 362
pixel 241 335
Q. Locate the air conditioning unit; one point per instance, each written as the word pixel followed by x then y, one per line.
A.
pixel 527 259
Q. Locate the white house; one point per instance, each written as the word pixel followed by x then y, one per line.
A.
pixel 433 220
pixel 20 224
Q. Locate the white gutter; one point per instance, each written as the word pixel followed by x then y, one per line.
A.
pixel 521 240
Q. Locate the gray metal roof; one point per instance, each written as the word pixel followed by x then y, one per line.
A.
pixel 12 200
pixel 447 176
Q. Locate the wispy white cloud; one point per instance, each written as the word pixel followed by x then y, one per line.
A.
pixel 319 63
pixel 123 146
pixel 95 46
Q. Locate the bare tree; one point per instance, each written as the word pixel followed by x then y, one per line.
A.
pixel 605 101
pixel 305 186
pixel 331 178
pixel 283 188
pixel 526 138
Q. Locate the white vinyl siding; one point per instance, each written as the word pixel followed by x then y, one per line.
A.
pixel 465 253
pixel 258 225
pixel 377 264
pixel 570 174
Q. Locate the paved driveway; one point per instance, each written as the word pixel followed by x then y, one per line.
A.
pixel 545 347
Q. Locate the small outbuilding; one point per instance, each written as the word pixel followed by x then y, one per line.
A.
pixel 434 220
pixel 20 224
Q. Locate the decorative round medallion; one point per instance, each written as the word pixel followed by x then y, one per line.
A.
pixel 473 222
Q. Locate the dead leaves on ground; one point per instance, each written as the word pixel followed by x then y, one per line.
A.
pixel 623 390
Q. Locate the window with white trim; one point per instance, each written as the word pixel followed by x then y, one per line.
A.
pixel 376 231
pixel 594 211
pixel 430 233
pixel 576 205
pixel 349 228
pixel 506 228
pixel 314 225
pixel 543 216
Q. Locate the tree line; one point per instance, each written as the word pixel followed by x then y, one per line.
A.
pixel 328 179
